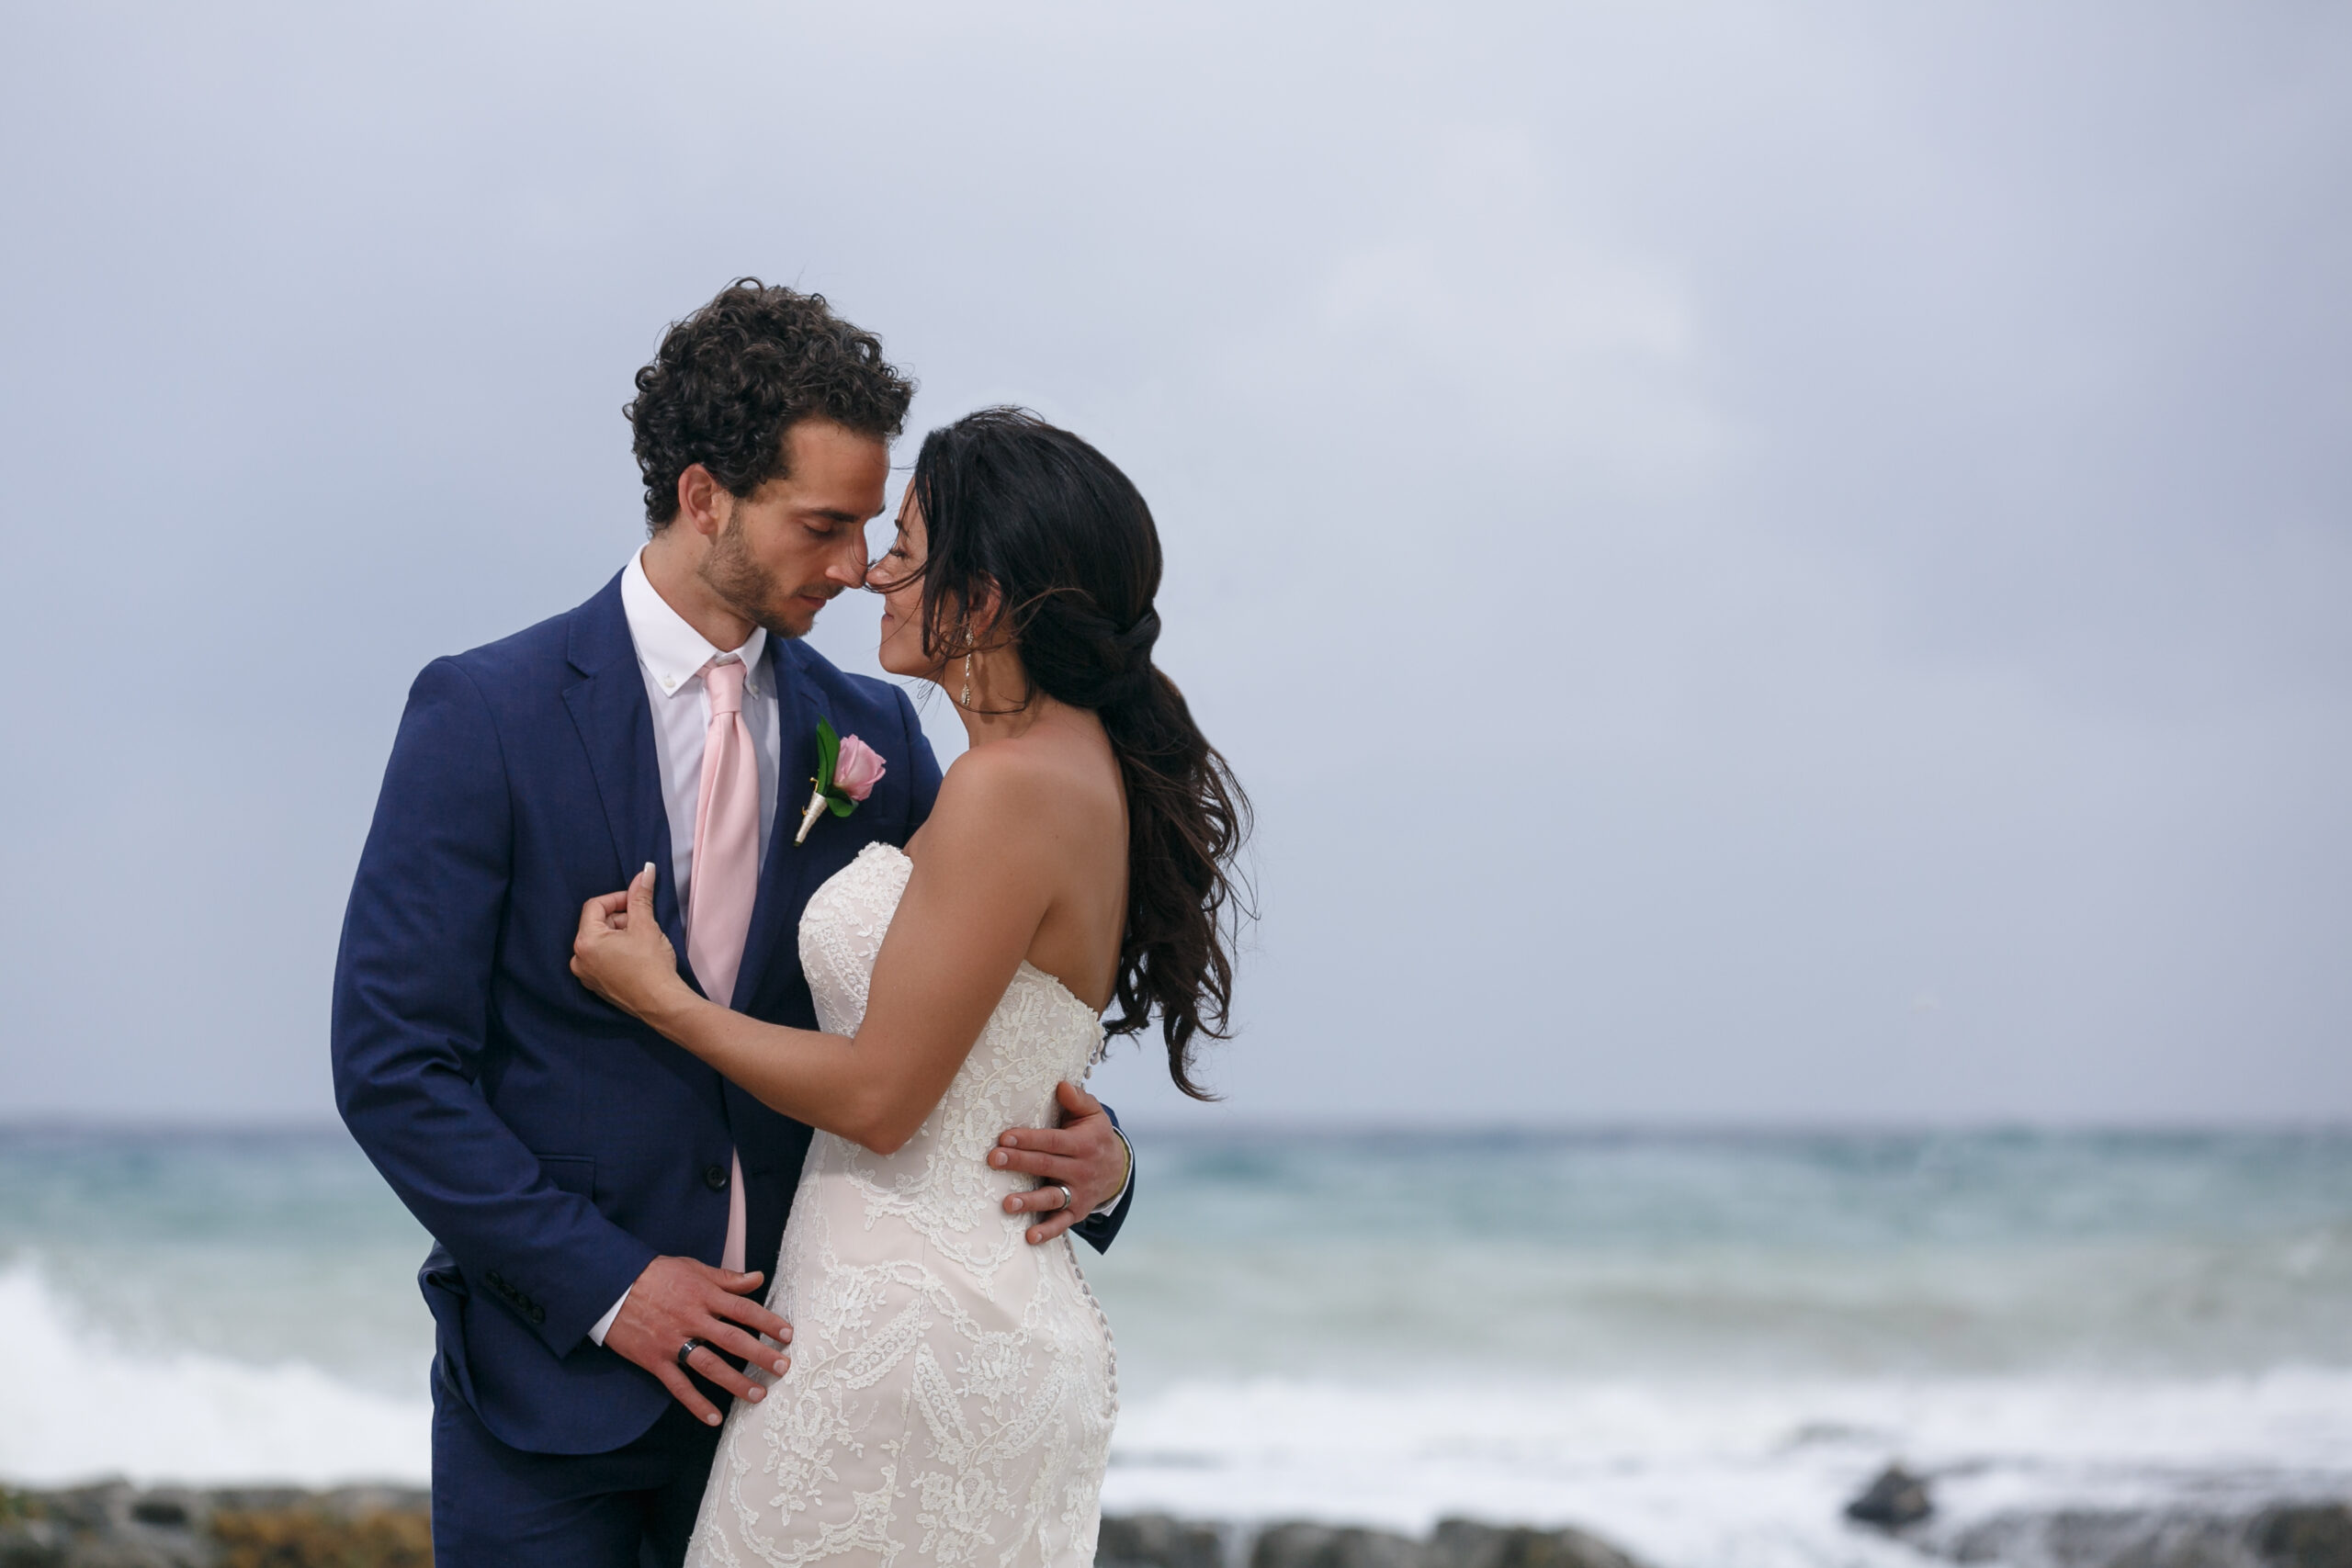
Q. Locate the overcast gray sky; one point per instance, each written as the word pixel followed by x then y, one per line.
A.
pixel 1779 563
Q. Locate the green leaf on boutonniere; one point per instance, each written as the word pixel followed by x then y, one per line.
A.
pixel 842 804
pixel 828 752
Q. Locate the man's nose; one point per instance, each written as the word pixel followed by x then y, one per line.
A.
pixel 848 564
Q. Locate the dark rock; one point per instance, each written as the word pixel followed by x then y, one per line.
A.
pixel 31 1543
pixel 1318 1546
pixel 99 1507
pixel 2313 1537
pixel 1465 1543
pixel 261 1499
pixel 93 1527
pixel 2083 1538
pixel 1457 1543
pixel 1896 1499
pixel 1155 1540
pixel 2284 1536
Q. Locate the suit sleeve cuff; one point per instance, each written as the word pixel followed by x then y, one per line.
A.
pixel 1121 1195
pixel 586 1303
pixel 604 1325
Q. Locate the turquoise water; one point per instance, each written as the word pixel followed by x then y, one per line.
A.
pixel 1376 1325
pixel 2151 1253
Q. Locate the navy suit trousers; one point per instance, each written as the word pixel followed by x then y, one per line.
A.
pixel 498 1506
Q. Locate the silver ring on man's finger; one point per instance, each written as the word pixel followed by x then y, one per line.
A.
pixel 686 1352
pixel 1069 1198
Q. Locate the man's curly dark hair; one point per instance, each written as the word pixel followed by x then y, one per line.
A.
pixel 730 379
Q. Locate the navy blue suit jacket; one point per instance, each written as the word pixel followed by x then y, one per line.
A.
pixel 552 1145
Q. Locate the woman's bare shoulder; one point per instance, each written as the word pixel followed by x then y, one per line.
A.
pixel 1014 785
pixel 987 775
pixel 991 793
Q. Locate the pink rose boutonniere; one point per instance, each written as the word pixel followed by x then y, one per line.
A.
pixel 847 771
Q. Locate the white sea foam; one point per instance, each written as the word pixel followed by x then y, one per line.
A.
pixel 77 1401
pixel 1710 1473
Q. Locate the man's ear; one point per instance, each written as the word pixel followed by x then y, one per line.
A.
pixel 704 504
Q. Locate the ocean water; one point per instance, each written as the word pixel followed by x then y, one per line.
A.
pixel 1698 1344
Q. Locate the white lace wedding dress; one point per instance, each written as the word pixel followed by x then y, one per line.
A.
pixel 952 1387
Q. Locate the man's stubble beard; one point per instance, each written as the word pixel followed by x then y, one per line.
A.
pixel 731 572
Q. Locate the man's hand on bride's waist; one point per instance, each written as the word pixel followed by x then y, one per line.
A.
pixel 1083 1164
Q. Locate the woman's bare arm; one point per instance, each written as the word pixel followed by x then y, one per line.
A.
pixel 972 906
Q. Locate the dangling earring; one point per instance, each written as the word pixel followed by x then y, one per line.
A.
pixel 966 698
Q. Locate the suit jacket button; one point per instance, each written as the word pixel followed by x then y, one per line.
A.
pixel 715 1177
pixel 497 1281
pixel 539 1315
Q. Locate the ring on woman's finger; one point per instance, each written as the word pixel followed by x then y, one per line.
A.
pixel 686 1352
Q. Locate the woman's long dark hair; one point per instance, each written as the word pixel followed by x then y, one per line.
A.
pixel 1015 505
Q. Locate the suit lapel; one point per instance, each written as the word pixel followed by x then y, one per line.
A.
pixel 798 705
pixel 608 707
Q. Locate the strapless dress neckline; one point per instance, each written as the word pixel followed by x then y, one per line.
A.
pixel 1027 970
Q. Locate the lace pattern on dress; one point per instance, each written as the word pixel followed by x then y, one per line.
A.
pixel 953 1388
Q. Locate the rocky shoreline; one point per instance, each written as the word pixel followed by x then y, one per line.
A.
pixel 117 1525
pixel 113 1524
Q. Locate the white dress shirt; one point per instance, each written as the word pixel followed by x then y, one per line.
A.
pixel 671 655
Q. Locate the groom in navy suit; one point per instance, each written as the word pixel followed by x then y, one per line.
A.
pixel 603 1204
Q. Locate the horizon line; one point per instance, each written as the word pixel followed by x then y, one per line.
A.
pixel 1375 1126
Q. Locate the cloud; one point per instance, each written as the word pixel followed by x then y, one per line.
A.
pixel 1868 485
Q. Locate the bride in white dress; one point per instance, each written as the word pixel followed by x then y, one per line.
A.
pixel 951 1389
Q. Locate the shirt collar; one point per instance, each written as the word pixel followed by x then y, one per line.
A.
pixel 672 651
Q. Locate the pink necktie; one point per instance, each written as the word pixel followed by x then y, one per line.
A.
pixel 726 874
